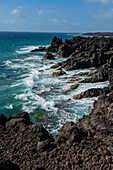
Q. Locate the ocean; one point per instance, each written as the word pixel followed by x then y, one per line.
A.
pixel 26 84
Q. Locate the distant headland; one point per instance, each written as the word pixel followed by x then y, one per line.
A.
pixel 99 34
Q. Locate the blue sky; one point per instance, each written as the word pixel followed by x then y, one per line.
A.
pixel 56 15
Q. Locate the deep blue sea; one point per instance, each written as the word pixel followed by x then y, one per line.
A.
pixel 23 87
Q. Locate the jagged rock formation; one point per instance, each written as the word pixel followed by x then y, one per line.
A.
pixel 94 92
pixel 86 144
pixel 48 56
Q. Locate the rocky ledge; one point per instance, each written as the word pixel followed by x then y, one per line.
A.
pixel 83 53
pixel 86 144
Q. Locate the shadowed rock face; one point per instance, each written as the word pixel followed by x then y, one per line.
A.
pixel 86 144
pixel 55 44
pixel 48 56
pixel 82 145
pixel 100 120
pixel 85 52
pixel 92 93
pixel 59 73
pixel 8 165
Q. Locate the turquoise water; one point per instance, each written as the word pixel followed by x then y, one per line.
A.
pixel 24 88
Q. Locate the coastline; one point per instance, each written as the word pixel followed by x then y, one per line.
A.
pixel 84 144
pixel 81 145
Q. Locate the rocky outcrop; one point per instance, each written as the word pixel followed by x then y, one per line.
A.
pixel 48 56
pixel 72 87
pixel 100 120
pixel 39 49
pixel 55 44
pixel 99 75
pixel 86 144
pixel 94 92
pixel 85 52
pixel 59 73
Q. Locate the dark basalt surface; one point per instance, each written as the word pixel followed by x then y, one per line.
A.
pixel 48 56
pixel 94 92
pixel 86 144
pixel 81 53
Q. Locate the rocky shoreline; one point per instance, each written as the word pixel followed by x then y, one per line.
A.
pixel 95 53
pixel 86 144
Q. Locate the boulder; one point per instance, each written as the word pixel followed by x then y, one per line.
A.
pixel 59 73
pixel 56 42
pixel 48 56
pixel 69 133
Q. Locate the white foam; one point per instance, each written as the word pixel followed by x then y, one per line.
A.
pixel 27 49
pixel 14 85
pixel 8 63
pixel 9 106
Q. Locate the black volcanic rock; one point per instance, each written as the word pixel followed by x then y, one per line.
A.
pixel 59 73
pixel 100 120
pixel 3 119
pixel 85 52
pixel 40 49
pixel 48 56
pixel 55 44
pixel 8 165
pixel 86 144
pixel 94 92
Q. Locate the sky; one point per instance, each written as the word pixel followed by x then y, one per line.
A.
pixel 75 16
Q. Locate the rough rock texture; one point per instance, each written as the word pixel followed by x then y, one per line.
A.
pixel 59 73
pixel 48 56
pixel 100 120
pixel 94 92
pixel 72 87
pixel 40 49
pixel 88 144
pixel 85 52
pixel 55 44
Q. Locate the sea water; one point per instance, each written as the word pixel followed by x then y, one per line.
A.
pixel 26 84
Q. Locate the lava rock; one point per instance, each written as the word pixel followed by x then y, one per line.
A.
pixel 48 56
pixel 59 73
pixel 92 93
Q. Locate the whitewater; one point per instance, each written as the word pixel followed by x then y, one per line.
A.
pixel 26 84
